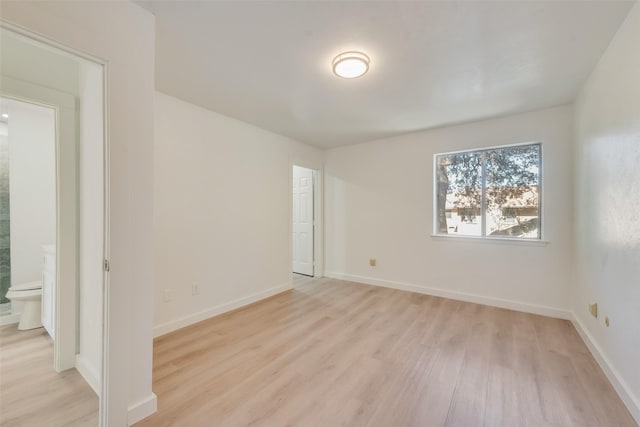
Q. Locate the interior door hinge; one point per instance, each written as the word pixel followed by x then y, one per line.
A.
pixel 106 265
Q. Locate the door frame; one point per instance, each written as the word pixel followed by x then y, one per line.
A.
pixel 103 405
pixel 318 216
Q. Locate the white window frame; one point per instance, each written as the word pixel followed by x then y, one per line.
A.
pixel 484 236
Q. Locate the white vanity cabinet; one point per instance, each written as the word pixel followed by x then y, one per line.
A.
pixel 49 289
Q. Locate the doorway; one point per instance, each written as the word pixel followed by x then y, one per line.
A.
pixel 303 216
pixel 27 209
pixel 68 261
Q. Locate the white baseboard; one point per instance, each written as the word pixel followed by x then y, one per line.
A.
pixel 624 391
pixel 10 319
pixel 174 325
pixel 90 375
pixel 460 296
pixel 142 409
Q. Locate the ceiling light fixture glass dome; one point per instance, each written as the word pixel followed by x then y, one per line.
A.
pixel 350 65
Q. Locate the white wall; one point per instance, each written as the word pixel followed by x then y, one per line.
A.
pixel 29 62
pixel 32 160
pixel 379 204
pixel 91 221
pixel 608 209
pixel 89 27
pixel 222 211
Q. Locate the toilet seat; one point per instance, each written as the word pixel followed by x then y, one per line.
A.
pixel 29 286
pixel 12 294
pixel 30 295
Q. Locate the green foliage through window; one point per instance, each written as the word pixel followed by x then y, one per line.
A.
pixel 490 193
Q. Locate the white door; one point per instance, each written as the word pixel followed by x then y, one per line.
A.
pixel 302 221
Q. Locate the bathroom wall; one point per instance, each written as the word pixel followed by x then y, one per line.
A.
pixel 27 62
pixel 32 187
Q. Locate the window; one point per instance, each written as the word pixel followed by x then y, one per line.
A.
pixel 494 192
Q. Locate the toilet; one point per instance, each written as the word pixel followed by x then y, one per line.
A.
pixel 31 295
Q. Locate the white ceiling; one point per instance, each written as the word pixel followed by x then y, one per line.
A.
pixel 432 63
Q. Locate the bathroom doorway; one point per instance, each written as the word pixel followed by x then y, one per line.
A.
pixel 66 273
pixel 27 212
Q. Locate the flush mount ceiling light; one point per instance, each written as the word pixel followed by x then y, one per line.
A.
pixel 350 65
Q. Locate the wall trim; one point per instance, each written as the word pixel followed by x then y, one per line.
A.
pixel 10 319
pixel 142 409
pixel 631 401
pixel 165 328
pixel 89 374
pixel 460 296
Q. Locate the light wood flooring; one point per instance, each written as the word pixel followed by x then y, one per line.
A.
pixel 334 353
pixel 32 393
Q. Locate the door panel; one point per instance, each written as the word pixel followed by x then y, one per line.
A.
pixel 302 221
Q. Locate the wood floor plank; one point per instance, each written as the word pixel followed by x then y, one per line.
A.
pixel 469 400
pixel 32 393
pixel 333 353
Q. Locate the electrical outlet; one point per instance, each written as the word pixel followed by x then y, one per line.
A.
pixel 167 295
pixel 372 262
pixel 195 289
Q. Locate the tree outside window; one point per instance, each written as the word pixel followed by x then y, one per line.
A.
pixel 490 193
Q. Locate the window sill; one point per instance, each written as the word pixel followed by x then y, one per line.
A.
pixel 492 240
